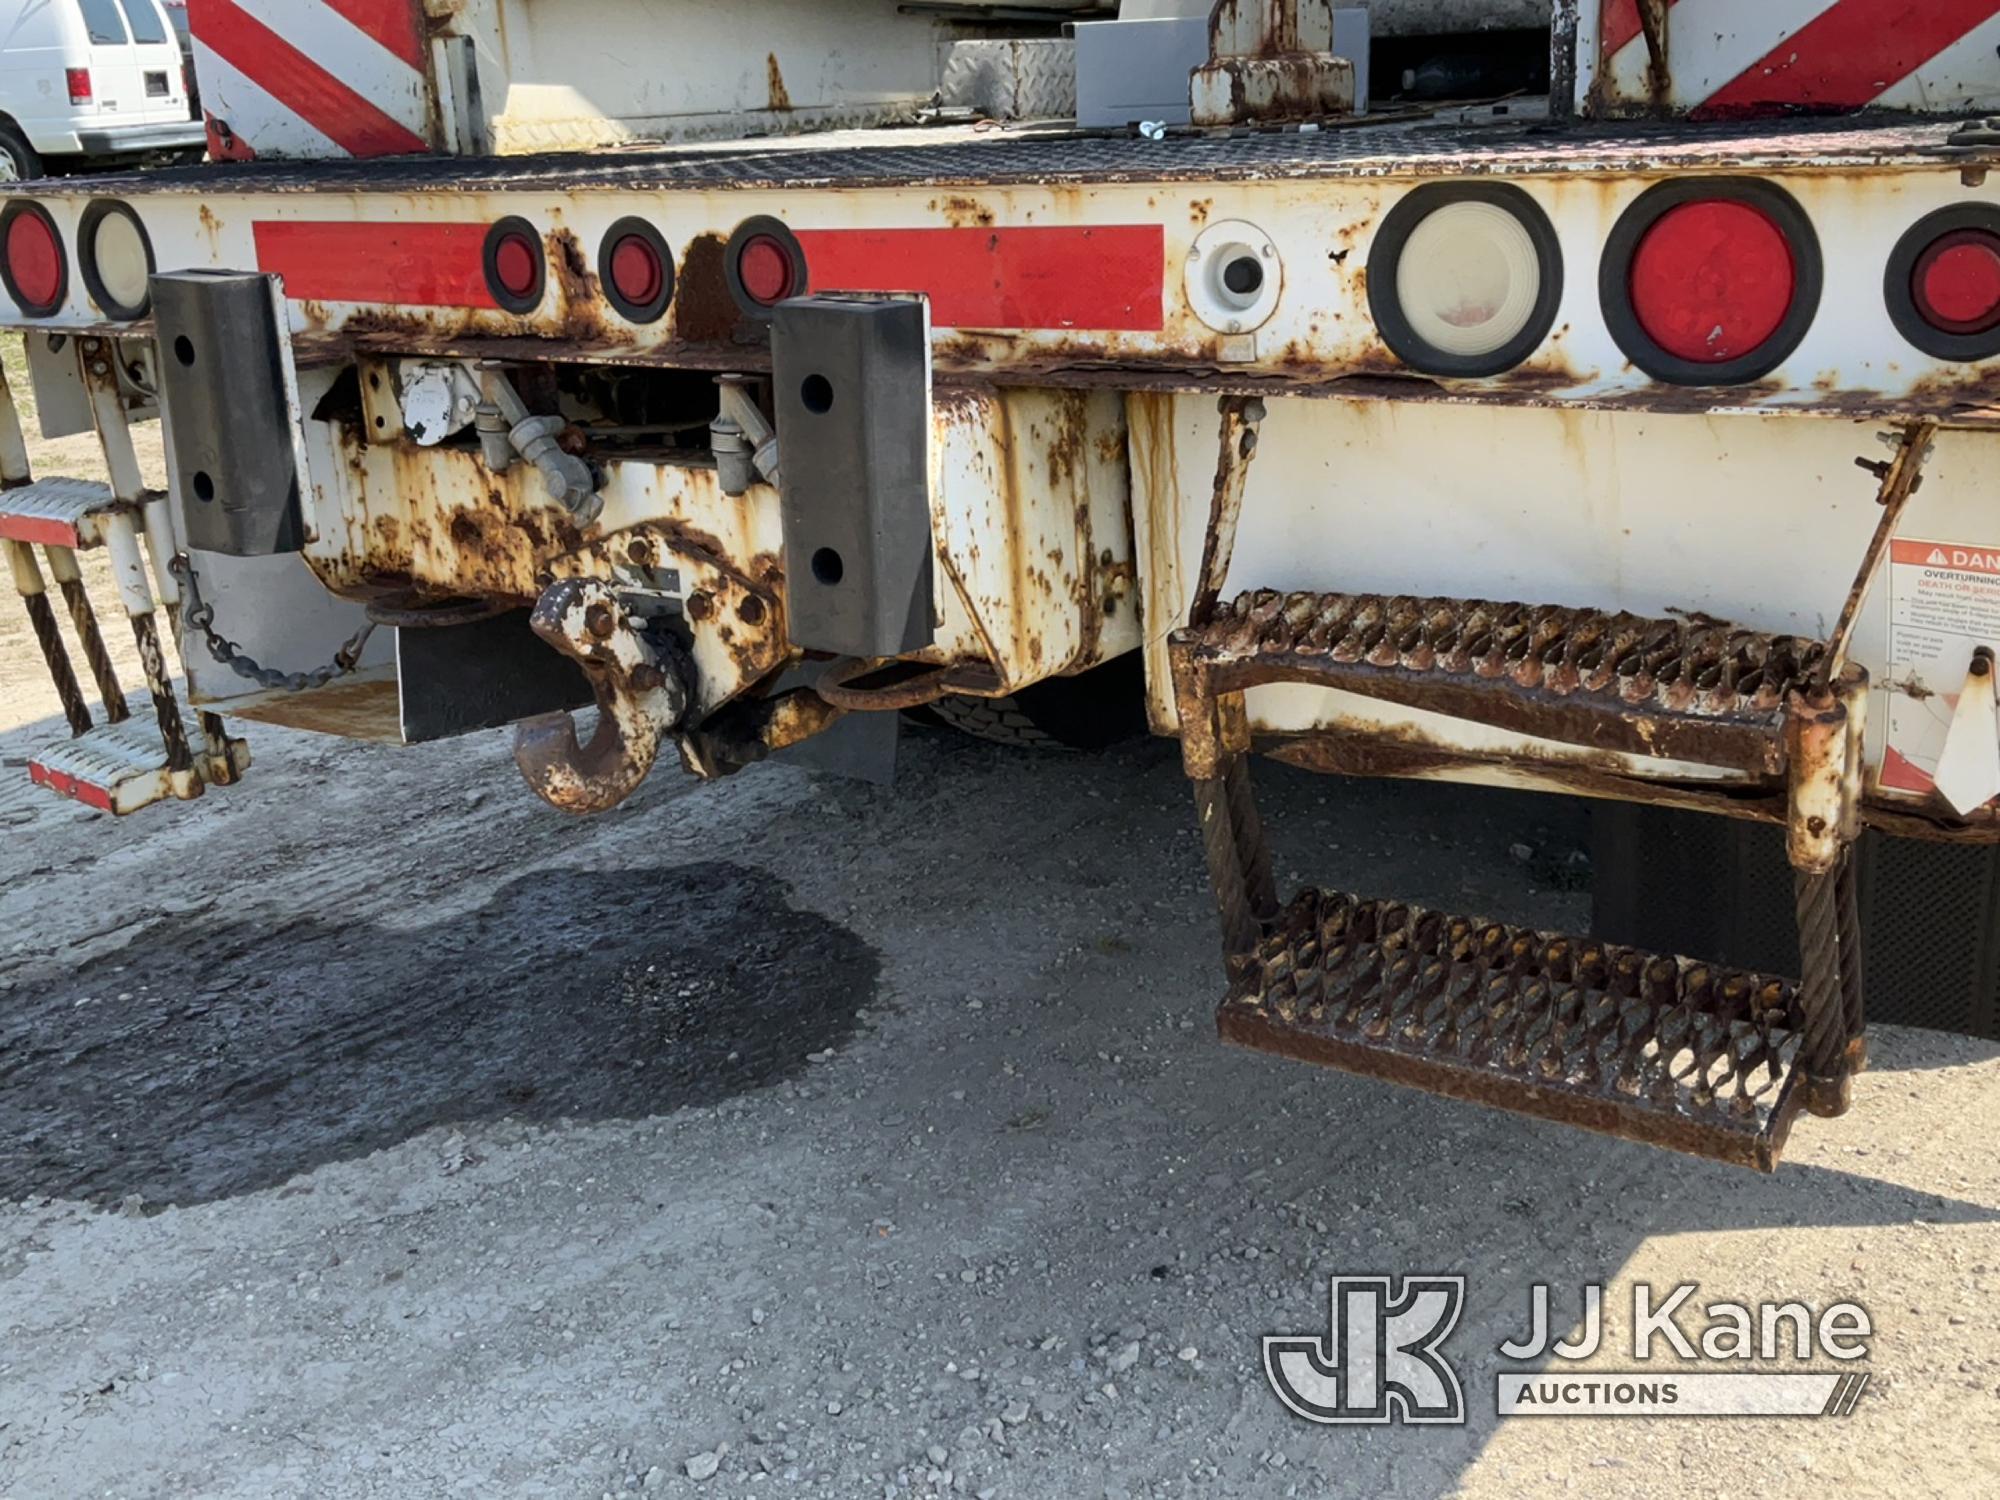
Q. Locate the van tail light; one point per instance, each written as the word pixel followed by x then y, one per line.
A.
pixel 80 91
pixel 1711 282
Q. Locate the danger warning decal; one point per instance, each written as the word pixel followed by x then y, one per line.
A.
pixel 1944 605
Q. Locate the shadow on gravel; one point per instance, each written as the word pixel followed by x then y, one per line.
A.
pixel 207 1061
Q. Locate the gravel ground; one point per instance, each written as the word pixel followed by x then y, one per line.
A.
pixel 369 1130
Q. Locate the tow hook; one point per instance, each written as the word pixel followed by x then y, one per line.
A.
pixel 641 698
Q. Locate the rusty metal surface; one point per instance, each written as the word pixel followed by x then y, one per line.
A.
pixel 1705 693
pixel 1901 477
pixel 879 686
pixel 1649 1048
pixel 1242 417
pixel 640 697
pixel 1271 60
pixel 963 157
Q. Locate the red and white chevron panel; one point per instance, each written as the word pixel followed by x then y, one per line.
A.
pixel 313 78
pixel 1730 59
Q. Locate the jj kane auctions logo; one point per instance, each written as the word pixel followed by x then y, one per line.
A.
pixel 1382 1357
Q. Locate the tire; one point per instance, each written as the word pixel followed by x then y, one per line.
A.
pixel 18 161
pixel 1101 708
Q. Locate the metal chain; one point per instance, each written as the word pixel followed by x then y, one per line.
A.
pixel 200 616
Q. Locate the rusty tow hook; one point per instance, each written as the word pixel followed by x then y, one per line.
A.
pixel 640 698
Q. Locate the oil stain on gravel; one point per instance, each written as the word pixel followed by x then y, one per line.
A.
pixel 221 1060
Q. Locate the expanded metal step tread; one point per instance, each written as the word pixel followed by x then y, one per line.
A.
pixel 1663 1050
pixel 1697 691
pixel 56 512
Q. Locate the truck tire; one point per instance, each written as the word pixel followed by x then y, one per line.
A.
pixel 18 161
pixel 1094 711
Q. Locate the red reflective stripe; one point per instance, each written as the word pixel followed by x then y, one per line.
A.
pixel 1849 55
pixel 69 786
pixel 421 265
pixel 297 82
pixel 1110 277
pixel 393 23
pixel 38 531
pixel 1619 25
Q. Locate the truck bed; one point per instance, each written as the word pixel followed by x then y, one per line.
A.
pixel 971 156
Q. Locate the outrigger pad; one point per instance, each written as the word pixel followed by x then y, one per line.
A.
pixel 1662 1050
pixel 853 397
pixel 227 411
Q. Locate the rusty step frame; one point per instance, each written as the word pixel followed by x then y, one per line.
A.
pixel 1636 1045
pixel 1650 1048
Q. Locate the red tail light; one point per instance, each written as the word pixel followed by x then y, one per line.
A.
pixel 637 271
pixel 1956 285
pixel 1943 283
pixel 1711 283
pixel 767 272
pixel 32 262
pixel 766 266
pixel 79 85
pixel 516 267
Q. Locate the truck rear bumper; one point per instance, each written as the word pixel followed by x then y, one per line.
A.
pixel 118 140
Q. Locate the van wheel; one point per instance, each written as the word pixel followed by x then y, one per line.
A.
pixel 18 161
pixel 1095 711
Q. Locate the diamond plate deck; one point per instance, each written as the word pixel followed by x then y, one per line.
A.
pixel 1655 1049
pixel 55 512
pixel 1710 694
pixel 965 157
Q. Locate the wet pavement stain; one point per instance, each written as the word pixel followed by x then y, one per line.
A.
pixel 223 1059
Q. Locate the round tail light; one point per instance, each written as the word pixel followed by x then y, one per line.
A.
pixel 516 266
pixel 1711 282
pixel 117 260
pixel 637 271
pixel 1943 283
pixel 766 266
pixel 1465 278
pixel 32 261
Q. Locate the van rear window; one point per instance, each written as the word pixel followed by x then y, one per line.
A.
pixel 145 18
pixel 101 19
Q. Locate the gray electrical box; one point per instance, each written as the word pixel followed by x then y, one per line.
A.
pixel 852 385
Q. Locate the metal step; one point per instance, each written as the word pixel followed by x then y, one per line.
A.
pixel 1661 1050
pixel 123 767
pixel 1701 692
pixel 56 512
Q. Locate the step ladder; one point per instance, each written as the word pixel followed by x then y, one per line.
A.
pixel 124 763
pixel 1651 1047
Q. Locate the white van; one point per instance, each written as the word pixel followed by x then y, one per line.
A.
pixel 89 81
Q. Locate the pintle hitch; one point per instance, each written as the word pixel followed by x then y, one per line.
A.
pixel 642 696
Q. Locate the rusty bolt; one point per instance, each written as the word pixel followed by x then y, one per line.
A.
pixel 640 554
pixel 600 620
pixel 700 606
pixel 648 678
pixel 751 610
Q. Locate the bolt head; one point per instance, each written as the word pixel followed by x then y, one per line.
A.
pixel 601 621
